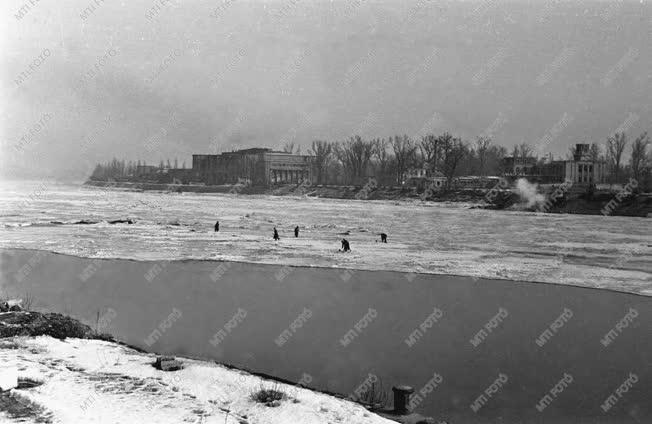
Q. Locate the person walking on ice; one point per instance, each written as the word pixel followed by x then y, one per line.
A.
pixel 296 231
pixel 276 237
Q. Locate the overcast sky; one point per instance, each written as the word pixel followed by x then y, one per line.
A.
pixel 134 82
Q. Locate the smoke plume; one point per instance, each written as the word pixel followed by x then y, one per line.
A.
pixel 528 192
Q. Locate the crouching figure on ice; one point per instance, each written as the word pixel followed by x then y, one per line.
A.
pixel 345 246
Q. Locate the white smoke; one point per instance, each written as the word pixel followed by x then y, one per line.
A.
pixel 529 193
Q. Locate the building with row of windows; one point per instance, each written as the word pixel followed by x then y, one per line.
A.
pixel 256 166
pixel 581 169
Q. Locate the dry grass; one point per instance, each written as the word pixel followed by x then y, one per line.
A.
pixel 270 396
pixel 21 409
pixel 375 396
pixel 28 300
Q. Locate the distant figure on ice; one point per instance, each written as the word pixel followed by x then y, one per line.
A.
pixel 296 231
pixel 345 246
pixel 217 226
pixel 383 238
pixel 276 237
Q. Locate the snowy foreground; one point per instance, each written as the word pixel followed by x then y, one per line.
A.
pixel 92 381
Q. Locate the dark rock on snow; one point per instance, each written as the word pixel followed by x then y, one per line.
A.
pixel 167 363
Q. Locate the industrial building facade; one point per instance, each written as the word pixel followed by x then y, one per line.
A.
pixel 581 169
pixel 257 166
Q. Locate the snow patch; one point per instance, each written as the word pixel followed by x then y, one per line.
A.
pixel 94 381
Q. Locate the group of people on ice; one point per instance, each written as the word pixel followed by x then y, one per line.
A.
pixel 346 247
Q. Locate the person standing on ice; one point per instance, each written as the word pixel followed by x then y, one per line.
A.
pixel 276 237
pixel 217 226
pixel 345 245
pixel 296 231
pixel 383 238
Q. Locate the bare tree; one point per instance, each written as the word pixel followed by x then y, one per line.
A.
pixel 525 152
pixel 495 157
pixel 453 151
pixel 288 147
pixel 322 150
pixel 638 161
pixel 430 148
pixel 481 146
pixel 615 148
pixel 354 155
pixel 404 150
pixel 383 158
pixel 570 154
pixel 594 152
pixel 516 154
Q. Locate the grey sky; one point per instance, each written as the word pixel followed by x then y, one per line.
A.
pixel 197 77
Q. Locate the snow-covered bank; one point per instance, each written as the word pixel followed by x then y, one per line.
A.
pixel 94 381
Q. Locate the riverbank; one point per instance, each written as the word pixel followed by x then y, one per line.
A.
pixel 342 325
pixel 72 379
pixel 634 206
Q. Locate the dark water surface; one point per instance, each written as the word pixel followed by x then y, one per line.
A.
pixel 273 297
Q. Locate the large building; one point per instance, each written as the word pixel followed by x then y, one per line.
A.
pixel 581 169
pixel 257 166
pixel 584 169
pixel 519 166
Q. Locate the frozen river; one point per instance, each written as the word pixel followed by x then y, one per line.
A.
pixel 438 238
pixel 268 296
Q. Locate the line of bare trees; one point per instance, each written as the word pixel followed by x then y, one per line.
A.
pixel 389 160
pixel 115 169
pixel 640 162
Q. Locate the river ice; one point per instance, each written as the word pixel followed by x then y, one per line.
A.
pixel 442 238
